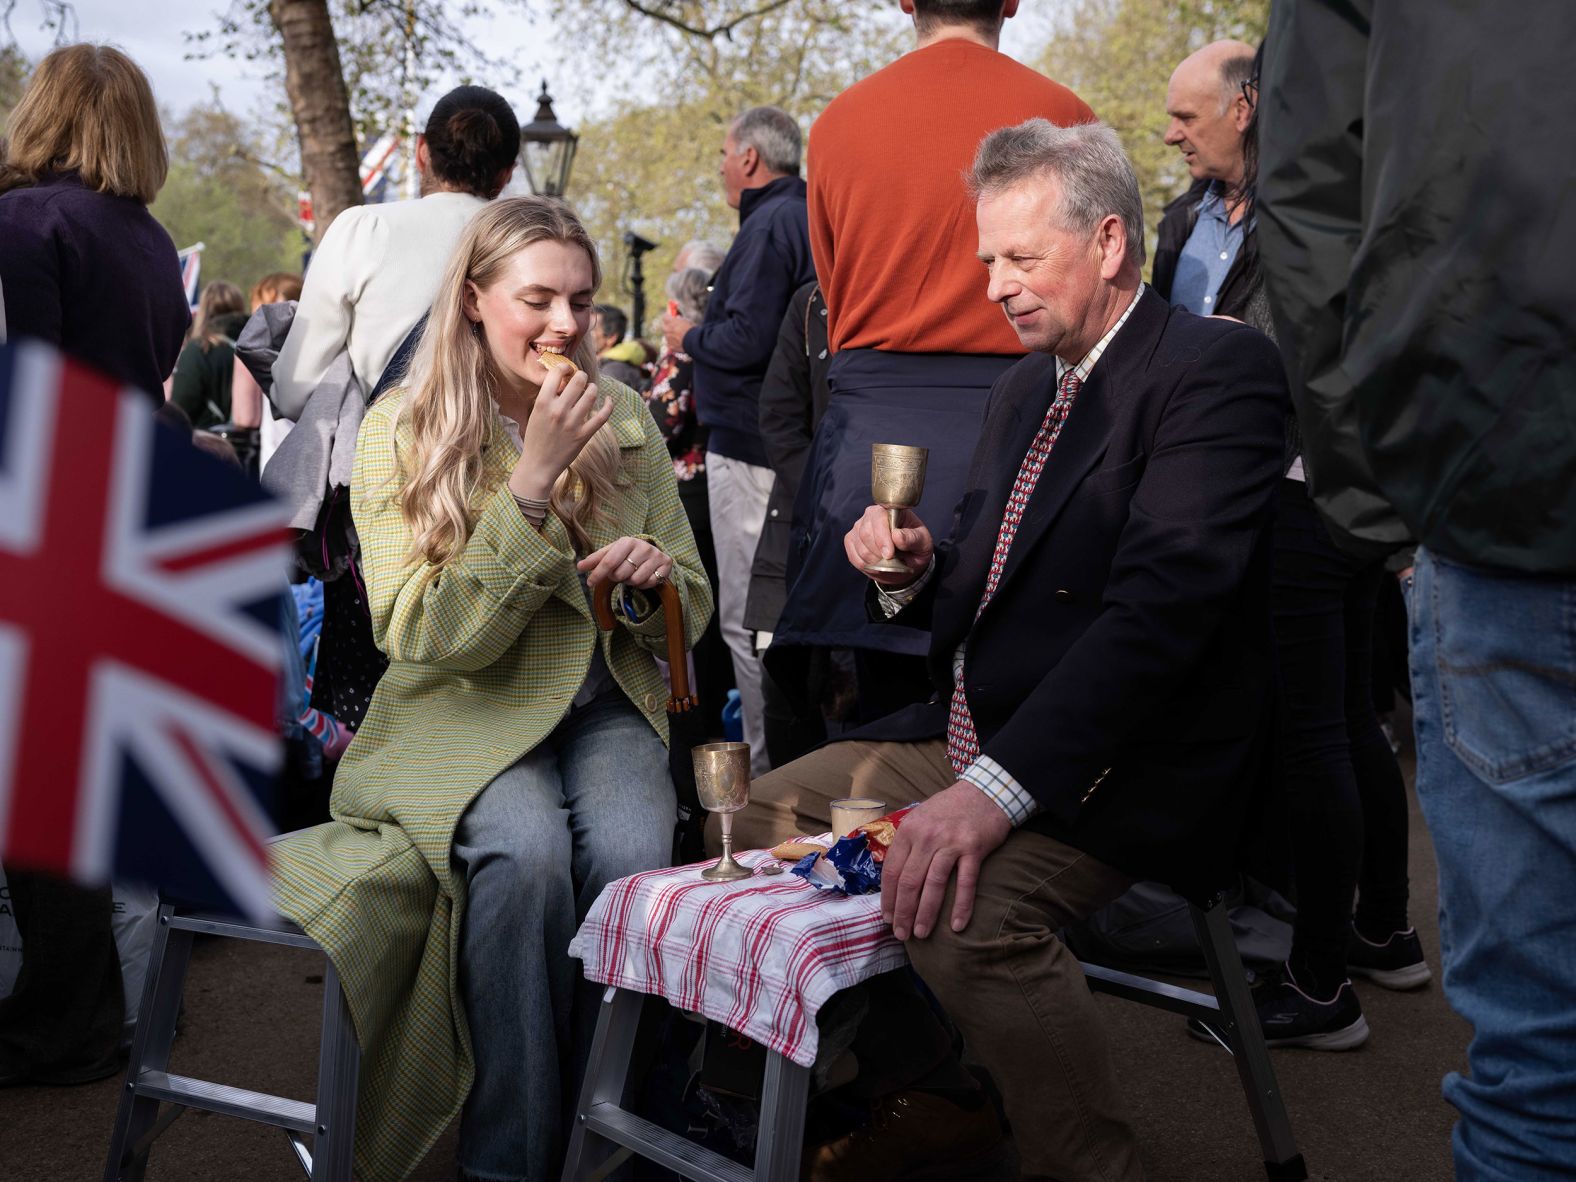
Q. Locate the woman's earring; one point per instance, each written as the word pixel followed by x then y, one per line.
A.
pixel 476 328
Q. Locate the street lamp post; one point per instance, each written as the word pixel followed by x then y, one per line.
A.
pixel 547 149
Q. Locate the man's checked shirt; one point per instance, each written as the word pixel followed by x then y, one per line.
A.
pixel 985 773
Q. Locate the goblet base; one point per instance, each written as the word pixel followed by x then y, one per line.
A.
pixel 888 566
pixel 726 870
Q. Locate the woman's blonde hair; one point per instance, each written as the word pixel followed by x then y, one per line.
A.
pixel 450 402
pixel 89 108
pixel 218 299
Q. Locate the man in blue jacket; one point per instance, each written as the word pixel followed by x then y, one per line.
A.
pixel 768 262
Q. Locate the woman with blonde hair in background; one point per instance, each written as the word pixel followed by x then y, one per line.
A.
pixel 512 761
pixel 86 269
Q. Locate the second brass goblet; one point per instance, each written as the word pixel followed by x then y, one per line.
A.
pixel 722 781
pixel 897 478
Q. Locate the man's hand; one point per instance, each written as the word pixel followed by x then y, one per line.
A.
pixel 673 330
pixel 873 539
pixel 955 830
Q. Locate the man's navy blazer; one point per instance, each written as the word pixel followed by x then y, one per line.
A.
pixel 1123 671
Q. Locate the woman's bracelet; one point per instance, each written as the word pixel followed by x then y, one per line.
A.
pixel 533 510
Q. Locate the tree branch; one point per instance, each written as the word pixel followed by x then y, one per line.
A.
pixel 725 29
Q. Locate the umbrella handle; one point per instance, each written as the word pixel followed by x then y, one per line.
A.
pixel 673 615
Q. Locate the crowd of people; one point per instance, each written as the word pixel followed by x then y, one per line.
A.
pixel 1127 647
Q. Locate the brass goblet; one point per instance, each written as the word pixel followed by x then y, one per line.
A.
pixel 897 478
pixel 722 781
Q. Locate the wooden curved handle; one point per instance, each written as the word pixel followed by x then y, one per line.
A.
pixel 673 616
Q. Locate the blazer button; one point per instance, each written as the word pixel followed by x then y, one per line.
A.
pixel 651 703
pixel 1063 595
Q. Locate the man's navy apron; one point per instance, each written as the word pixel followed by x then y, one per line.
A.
pixel 933 400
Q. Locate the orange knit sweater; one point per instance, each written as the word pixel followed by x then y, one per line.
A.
pixel 891 227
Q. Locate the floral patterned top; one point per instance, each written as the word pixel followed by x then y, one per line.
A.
pixel 671 400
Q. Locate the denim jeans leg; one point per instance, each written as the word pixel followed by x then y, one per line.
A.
pixel 622 810
pixel 1494 695
pixel 513 848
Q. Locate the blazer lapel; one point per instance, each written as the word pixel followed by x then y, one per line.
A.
pixel 1016 416
pixel 1087 432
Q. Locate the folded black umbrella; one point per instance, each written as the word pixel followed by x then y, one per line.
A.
pixel 686 727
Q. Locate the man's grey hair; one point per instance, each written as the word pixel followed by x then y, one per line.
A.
pixel 690 289
pixel 697 252
pixel 773 134
pixel 1087 162
pixel 1234 71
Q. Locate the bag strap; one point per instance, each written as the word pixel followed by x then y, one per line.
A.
pixel 399 364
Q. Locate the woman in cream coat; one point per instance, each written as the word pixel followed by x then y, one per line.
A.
pixel 512 761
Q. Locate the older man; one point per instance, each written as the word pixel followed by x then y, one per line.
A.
pixel 1099 619
pixel 1206 258
pixel 768 262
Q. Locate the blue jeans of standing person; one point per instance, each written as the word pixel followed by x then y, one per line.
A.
pixel 1494 691
pixel 593 802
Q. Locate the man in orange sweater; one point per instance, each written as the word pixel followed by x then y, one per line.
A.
pixel 916 345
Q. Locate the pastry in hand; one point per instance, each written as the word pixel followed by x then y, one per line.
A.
pixel 552 360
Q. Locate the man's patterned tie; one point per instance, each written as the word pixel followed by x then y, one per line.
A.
pixel 963 745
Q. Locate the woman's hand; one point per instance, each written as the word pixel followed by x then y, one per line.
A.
pixel 634 562
pixel 562 421
pixel 873 539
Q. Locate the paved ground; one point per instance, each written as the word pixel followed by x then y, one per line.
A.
pixel 1374 1115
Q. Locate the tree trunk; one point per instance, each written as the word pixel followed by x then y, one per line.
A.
pixel 321 106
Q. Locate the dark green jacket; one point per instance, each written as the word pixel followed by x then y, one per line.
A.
pixel 202 376
pixel 1417 230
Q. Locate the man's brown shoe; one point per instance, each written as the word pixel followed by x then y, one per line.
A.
pixel 910 1135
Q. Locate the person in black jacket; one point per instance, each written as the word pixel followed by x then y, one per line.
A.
pixel 1417 227
pixel 768 261
pixel 1100 641
pixel 793 398
pixel 1345 797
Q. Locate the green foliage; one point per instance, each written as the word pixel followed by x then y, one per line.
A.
pixel 1118 55
pixel 14 69
pixel 392 51
pixel 651 165
pixel 218 194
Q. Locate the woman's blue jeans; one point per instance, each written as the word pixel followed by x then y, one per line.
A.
pixel 592 803
pixel 1494 691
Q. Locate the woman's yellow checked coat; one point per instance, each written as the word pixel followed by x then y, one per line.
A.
pixel 485 655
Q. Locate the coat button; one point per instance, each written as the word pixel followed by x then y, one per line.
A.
pixel 651 703
pixel 774 512
pixel 1063 595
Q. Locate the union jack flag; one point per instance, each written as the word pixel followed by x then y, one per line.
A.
pixel 140 589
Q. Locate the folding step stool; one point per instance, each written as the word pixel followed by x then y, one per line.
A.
pixel 605 1133
pixel 1232 1014
pixel 330 1122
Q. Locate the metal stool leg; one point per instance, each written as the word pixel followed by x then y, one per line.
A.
pixel 781 1138
pixel 607 1072
pixel 1239 1022
pixel 150 1049
pixel 338 1068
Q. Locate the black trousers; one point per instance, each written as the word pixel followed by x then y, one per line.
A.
pixel 66 1010
pixel 1346 797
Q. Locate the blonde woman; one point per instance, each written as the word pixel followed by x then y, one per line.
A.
pixel 512 761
